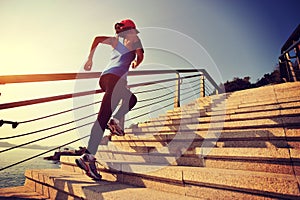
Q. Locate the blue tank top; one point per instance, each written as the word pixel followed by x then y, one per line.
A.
pixel 120 61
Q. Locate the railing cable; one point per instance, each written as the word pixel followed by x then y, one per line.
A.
pixel 184 83
pixel 46 129
pixel 153 103
pixel 138 116
pixel 157 97
pixel 33 141
pixel 35 156
pixel 153 90
pixel 59 113
pixel 186 92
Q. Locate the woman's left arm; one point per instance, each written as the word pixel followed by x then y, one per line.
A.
pixel 139 51
pixel 139 58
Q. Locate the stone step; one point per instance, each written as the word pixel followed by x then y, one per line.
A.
pixel 227 134
pixel 194 181
pixel 253 149
pixel 256 98
pixel 200 117
pixel 20 193
pixel 277 89
pixel 251 142
pixel 288 109
pixel 219 123
pixel 209 150
pixel 60 184
pixel 197 111
pixel 251 158
pixel 275 138
pixel 200 111
pixel 206 104
pixel 257 138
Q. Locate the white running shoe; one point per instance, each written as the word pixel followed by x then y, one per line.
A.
pixel 87 163
pixel 114 128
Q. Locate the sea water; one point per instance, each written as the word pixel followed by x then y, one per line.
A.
pixel 14 176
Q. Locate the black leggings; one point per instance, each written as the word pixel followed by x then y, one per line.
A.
pixel 115 90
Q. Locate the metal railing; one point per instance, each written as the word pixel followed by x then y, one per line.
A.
pixel 76 76
pixel 289 60
pixel 171 92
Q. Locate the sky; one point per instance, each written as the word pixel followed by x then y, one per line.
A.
pixel 242 37
pixel 228 38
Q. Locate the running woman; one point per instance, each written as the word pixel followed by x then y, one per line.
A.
pixel 127 51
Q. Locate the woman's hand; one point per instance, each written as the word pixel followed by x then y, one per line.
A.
pixel 88 65
pixel 134 64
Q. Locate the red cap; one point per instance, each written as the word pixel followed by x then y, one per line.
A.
pixel 128 23
pixel 125 25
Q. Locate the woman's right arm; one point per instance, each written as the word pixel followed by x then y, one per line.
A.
pixel 97 40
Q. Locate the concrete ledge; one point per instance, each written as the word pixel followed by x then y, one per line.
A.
pixel 265 106
pixel 161 137
pixel 238 152
pixel 236 106
pixel 256 146
pixel 275 118
pixel 20 192
pixel 217 159
pixel 219 126
pixel 66 185
pixel 238 179
pixel 176 177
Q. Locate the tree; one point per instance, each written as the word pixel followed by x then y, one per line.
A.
pixel 273 78
pixel 237 84
pixel 241 84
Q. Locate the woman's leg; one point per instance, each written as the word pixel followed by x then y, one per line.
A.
pixel 108 105
pixel 129 100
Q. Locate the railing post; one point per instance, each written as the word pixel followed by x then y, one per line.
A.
pixel 283 69
pixel 202 86
pixel 217 91
pixel 177 91
pixel 290 67
pixel 297 52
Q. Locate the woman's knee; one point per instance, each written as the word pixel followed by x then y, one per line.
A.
pixel 133 101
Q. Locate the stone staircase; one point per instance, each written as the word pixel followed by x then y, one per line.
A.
pixel 242 145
